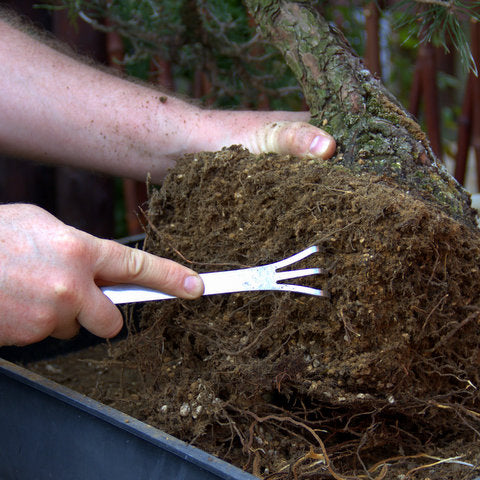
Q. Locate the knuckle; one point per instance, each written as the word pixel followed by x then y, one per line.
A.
pixel 42 323
pixel 53 314
pixel 69 245
pixel 135 263
pixel 64 290
pixel 286 137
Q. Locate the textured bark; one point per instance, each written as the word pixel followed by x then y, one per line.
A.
pixel 374 132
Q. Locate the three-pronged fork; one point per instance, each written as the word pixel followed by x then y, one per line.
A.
pixel 265 277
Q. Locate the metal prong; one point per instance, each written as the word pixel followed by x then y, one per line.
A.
pixel 301 289
pixel 297 273
pixel 295 258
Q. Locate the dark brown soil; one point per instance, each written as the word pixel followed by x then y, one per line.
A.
pixel 291 386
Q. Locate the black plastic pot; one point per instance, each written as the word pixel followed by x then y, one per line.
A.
pixel 48 431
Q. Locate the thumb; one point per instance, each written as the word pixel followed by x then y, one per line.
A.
pixel 294 138
pixel 120 264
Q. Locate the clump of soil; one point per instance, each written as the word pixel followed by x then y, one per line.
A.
pixel 275 382
pixel 292 386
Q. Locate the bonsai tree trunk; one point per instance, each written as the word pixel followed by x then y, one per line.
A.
pixel 374 132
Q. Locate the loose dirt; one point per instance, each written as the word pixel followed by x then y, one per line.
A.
pixel 380 380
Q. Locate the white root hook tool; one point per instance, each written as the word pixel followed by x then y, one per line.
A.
pixel 264 277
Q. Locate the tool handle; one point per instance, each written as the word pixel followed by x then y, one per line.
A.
pixel 119 294
pixel 230 281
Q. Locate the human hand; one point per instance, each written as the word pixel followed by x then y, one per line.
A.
pixel 50 274
pixel 261 132
pixel 76 115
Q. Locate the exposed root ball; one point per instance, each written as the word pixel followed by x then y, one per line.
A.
pixel 285 384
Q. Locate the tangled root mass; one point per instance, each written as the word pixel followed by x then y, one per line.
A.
pixel 292 386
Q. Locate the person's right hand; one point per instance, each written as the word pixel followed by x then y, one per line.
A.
pixel 50 274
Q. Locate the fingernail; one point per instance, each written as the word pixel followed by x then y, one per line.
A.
pixel 320 144
pixel 193 285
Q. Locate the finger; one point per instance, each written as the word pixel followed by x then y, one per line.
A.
pixel 63 305
pixel 99 315
pixel 66 329
pixel 120 264
pixel 295 138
